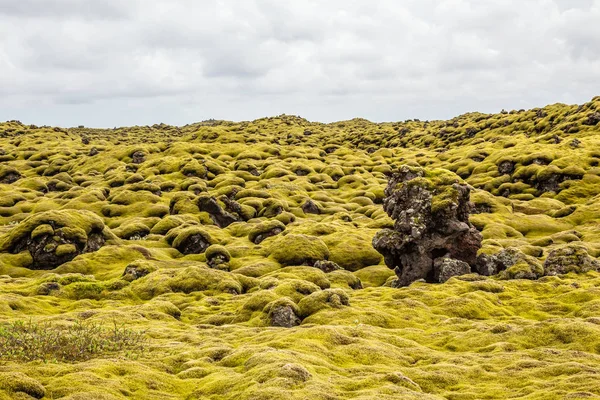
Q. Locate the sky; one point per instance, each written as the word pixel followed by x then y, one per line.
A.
pixel 106 63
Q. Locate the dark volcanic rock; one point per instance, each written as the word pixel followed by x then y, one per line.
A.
pixel 55 237
pixel 327 266
pixel 284 316
pixel 138 157
pixel 510 263
pixel 194 244
pixel 570 258
pixel 551 182
pixel 220 216
pixel 592 119
pixel 310 207
pixel 218 257
pixel 506 167
pixel 431 230
pixel 575 143
pixel 446 268
pixel 138 269
pixel 10 177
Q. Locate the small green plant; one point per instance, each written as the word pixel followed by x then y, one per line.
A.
pixel 29 341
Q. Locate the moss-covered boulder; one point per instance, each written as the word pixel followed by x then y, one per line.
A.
pixel 190 239
pixel 511 263
pixel 265 230
pixel 571 257
pixel 299 250
pixel 53 238
pixel 218 257
pixel 283 313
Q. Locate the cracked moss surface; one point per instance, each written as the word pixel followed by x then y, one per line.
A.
pixel 209 228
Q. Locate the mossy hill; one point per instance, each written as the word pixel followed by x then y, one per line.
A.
pixel 210 238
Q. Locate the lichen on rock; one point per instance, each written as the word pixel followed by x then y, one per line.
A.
pixel 431 229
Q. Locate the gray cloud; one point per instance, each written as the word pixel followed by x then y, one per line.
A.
pixel 124 62
pixel 61 9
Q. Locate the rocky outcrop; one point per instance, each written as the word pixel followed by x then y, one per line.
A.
pixel 53 238
pixel 510 263
pixel 592 119
pixel 572 257
pixel 218 257
pixel 138 157
pixel 222 216
pixel 327 266
pixel 432 237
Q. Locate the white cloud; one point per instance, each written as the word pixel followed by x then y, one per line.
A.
pixel 124 62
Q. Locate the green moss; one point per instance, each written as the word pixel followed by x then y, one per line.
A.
pixel 325 299
pixel 209 329
pixel 298 250
pixel 264 230
pixel 353 251
pixel 65 249
pixel 19 383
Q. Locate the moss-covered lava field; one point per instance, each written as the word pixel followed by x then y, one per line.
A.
pixel 225 260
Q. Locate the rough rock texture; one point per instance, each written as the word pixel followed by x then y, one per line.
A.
pixel 327 266
pixel 218 257
pixel 193 244
pixel 510 263
pixel 284 316
pixel 138 157
pixel 138 269
pixel 10 177
pixel 446 268
pixel 570 258
pixel 221 217
pixel 506 167
pixel 431 213
pixel 311 208
pixel 592 119
pixel 56 237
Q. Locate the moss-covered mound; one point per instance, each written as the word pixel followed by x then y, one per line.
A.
pixel 51 238
pixel 241 253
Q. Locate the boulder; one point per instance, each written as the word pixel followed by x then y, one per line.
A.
pixel 327 266
pixel 222 217
pixel 138 157
pixel 310 207
pixel 431 213
pixel 218 257
pixel 592 119
pixel 510 263
pixel 53 238
pixel 571 257
pixel 446 268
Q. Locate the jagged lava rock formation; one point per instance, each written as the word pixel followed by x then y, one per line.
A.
pixel 432 237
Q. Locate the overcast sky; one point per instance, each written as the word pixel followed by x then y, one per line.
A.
pixel 108 63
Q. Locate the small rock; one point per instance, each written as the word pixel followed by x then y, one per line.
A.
pixel 570 258
pixel 284 316
pixel 327 266
pixel 592 119
pixel 506 167
pixel 311 207
pixel 46 288
pixel 446 268
pixel 138 157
